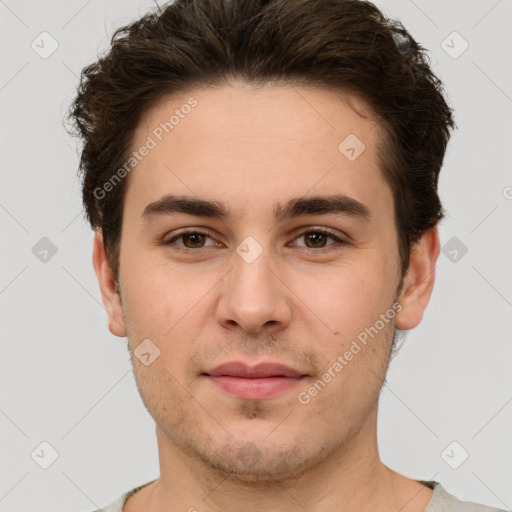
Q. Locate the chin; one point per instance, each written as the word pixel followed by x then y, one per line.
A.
pixel 258 455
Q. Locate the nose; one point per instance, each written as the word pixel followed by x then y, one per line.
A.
pixel 253 298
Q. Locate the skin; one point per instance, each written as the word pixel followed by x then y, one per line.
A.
pixel 295 304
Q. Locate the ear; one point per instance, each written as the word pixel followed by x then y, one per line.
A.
pixel 109 293
pixel 419 280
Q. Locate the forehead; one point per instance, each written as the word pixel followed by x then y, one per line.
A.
pixel 254 144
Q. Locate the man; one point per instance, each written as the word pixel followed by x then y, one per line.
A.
pixel 262 178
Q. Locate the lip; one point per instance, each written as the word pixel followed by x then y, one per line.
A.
pixel 261 370
pixel 263 380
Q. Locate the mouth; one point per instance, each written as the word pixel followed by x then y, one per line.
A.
pixel 264 380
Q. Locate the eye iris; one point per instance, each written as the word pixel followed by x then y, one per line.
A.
pixel 316 240
pixel 193 240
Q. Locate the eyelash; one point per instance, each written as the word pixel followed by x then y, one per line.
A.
pixel 325 231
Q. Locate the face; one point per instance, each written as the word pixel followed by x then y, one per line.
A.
pixel 251 236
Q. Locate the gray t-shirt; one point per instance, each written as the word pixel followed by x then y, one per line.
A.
pixel 441 501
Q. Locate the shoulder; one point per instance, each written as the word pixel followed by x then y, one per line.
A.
pixel 117 505
pixel 443 501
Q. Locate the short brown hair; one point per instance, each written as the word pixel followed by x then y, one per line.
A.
pixel 345 45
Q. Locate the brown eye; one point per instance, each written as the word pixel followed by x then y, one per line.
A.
pixel 193 240
pixel 319 239
pixel 190 240
pixel 316 240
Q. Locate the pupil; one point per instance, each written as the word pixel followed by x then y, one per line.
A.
pixel 194 240
pixel 316 239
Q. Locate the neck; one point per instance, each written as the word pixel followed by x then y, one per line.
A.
pixel 351 479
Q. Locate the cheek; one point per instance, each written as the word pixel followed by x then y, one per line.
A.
pixel 173 315
pixel 347 396
pixel 165 395
pixel 347 299
pixel 158 298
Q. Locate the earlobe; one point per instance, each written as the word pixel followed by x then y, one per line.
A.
pixel 419 280
pixel 108 288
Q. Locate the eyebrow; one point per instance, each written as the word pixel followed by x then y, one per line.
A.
pixel 317 205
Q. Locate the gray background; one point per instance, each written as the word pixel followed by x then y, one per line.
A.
pixel 67 381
